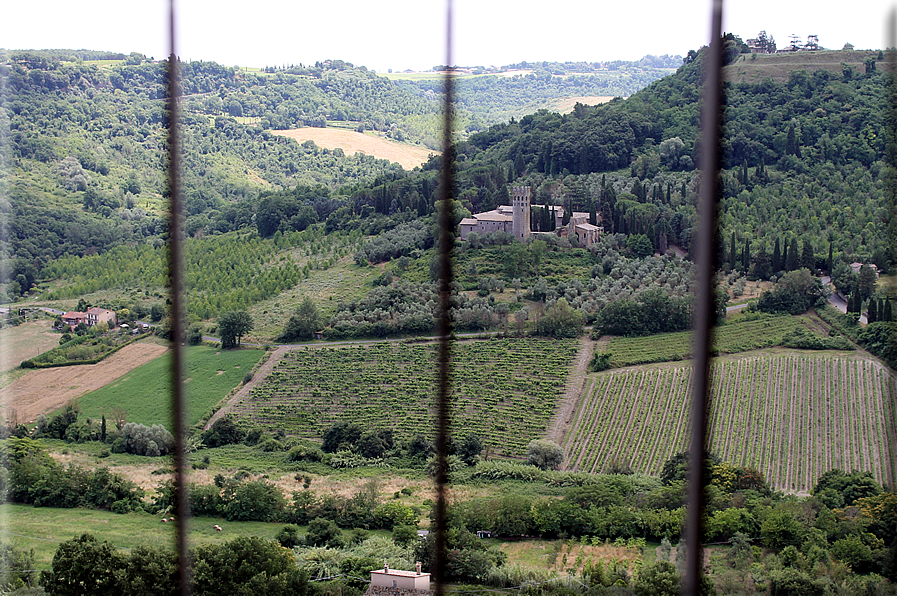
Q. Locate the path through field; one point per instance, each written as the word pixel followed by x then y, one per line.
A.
pixel 42 391
pixel 260 375
pixel 791 414
pixel 568 401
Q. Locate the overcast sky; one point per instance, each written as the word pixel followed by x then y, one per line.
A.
pixel 402 34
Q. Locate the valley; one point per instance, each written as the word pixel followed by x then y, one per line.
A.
pixel 311 301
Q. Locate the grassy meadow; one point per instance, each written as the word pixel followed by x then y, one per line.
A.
pixel 43 528
pixel 144 393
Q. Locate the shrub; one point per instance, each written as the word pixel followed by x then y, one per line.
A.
pixel 255 500
pixel 152 440
pixel 288 536
pixel 546 455
pixel 224 431
pixel 301 453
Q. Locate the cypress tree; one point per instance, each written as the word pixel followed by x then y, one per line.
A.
pixel 103 429
pixel 593 214
pixel 887 315
pixel 776 257
pixel 793 261
pixel 790 141
pixel 807 260
pixel 829 263
pixel 746 258
pixel 733 253
pixel 784 258
pixel 682 192
pixel 669 191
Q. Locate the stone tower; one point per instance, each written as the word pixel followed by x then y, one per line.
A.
pixel 521 212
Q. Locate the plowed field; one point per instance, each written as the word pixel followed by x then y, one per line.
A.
pixel 42 391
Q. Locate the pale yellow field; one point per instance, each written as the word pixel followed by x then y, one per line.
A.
pixel 408 156
pixel 566 104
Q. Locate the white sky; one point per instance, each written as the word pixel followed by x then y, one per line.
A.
pixel 402 34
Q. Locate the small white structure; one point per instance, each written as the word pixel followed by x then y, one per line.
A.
pixel 403 580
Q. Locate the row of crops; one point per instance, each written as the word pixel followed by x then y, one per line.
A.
pixel 792 416
pixel 505 391
pixel 753 334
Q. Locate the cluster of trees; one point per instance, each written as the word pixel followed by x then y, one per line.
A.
pixel 139 439
pixel 30 475
pixel 402 240
pixel 244 566
pixel 651 312
pixel 794 293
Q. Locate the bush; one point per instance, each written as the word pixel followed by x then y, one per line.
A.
pixel 256 500
pixel 301 453
pixel 546 455
pixel 288 536
pixel 224 431
pixel 323 532
pixel 152 440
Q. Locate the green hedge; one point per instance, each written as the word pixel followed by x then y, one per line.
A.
pixel 77 341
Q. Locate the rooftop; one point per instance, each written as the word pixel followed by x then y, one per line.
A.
pixel 400 573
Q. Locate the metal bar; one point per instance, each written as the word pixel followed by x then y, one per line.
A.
pixel 176 288
pixel 445 244
pixel 704 302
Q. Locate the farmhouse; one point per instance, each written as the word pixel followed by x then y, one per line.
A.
pixel 515 219
pixel 74 318
pixel 100 315
pixel 395 582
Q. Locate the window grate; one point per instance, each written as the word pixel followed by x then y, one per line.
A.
pixel 712 130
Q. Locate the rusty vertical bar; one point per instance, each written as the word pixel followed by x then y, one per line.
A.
pixel 445 244
pixel 704 303
pixel 890 125
pixel 176 288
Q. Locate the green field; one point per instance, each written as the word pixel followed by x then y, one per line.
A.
pixel 731 338
pixel 792 415
pixel 505 391
pixel 144 392
pixel 43 528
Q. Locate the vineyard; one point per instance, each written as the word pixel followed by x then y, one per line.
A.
pixel 793 416
pixel 763 331
pixel 505 391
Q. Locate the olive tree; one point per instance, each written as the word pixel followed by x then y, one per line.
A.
pixel 544 454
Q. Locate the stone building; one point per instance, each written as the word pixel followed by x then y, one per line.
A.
pixel 515 219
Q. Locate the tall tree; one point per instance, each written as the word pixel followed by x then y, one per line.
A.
pixel 232 326
pixel 866 281
pixel 733 253
pixel 777 257
pixel 793 260
pixel 304 323
pixel 807 259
